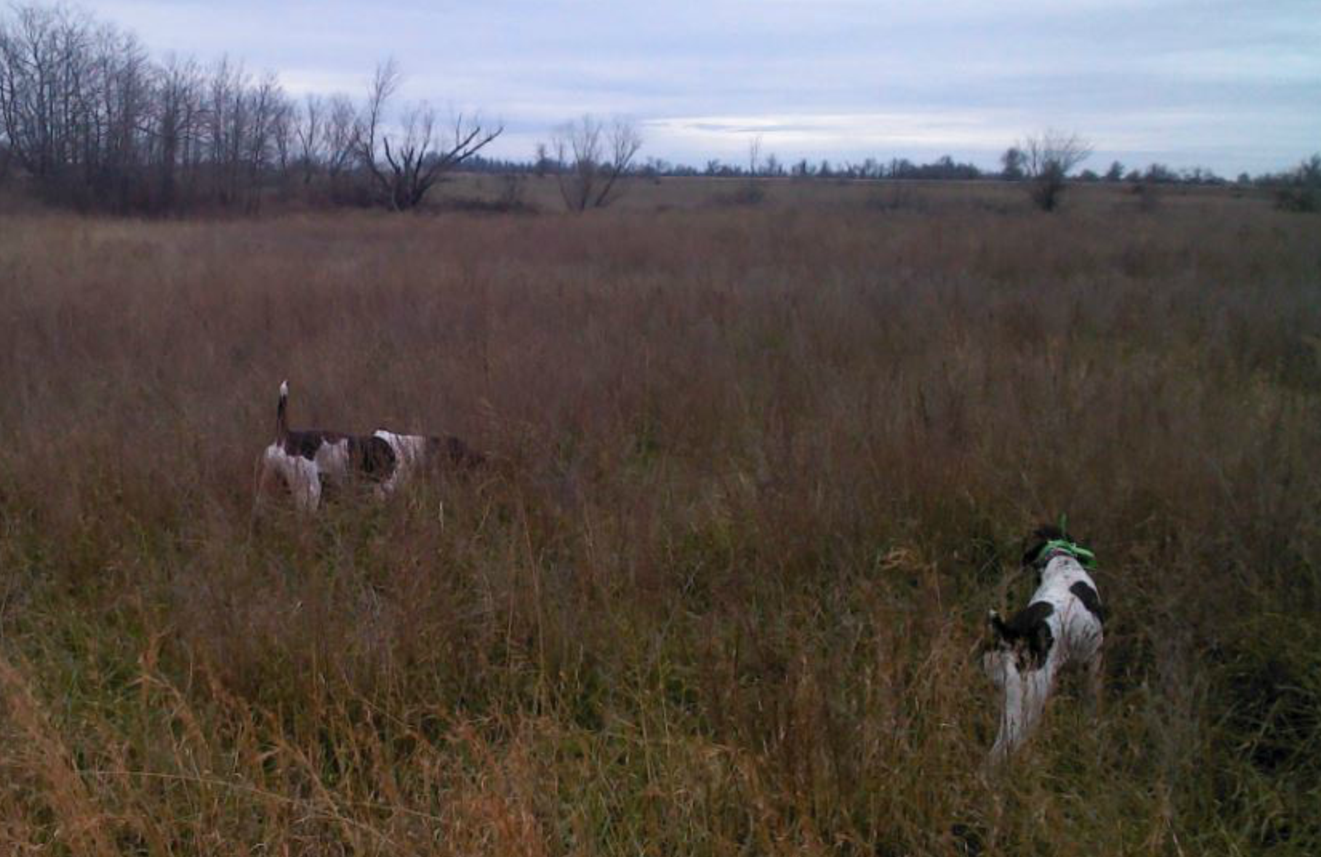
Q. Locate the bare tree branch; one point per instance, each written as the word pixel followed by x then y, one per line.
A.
pixel 412 163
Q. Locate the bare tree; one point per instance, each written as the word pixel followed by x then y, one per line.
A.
pixel 48 105
pixel 754 155
pixel 178 110
pixel 266 107
pixel 340 135
pixel 226 112
pixel 367 134
pixel 310 135
pixel 284 128
pixel 1047 159
pixel 406 166
pixel 591 159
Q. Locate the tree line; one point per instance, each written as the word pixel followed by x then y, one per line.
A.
pixel 95 122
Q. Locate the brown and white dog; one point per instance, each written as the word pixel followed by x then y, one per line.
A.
pixel 308 461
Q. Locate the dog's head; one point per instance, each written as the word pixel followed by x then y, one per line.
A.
pixel 1048 539
pixel 1035 544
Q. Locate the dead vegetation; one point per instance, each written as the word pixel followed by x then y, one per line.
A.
pixel 766 469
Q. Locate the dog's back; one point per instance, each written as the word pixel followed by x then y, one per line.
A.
pixel 1077 617
pixel 1063 624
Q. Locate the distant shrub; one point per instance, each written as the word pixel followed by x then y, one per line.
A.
pixel 747 194
pixel 512 187
pixel 1299 199
pixel 1148 196
pixel 508 198
pixel 1303 193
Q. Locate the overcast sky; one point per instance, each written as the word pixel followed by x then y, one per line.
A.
pixel 1229 85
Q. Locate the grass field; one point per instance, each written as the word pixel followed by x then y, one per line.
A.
pixel 759 472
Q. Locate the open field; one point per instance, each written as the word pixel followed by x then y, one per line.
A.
pixel 760 472
pixel 946 197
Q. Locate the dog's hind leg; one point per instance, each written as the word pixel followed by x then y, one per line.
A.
pixel 267 482
pixel 305 485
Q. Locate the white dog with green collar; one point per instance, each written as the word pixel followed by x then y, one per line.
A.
pixel 1062 625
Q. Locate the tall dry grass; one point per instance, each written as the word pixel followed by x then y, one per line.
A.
pixel 760 473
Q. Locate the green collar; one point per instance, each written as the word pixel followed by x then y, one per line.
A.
pixel 1085 557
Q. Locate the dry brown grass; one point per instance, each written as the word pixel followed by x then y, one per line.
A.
pixel 762 471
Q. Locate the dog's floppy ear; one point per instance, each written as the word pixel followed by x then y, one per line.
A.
pixel 1039 644
pixel 1032 548
pixel 1040 537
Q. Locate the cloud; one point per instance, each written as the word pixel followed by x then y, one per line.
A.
pixel 849 78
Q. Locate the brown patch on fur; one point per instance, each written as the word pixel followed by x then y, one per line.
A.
pixel 372 457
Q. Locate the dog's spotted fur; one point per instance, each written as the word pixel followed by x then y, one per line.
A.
pixel 1061 626
pixel 309 461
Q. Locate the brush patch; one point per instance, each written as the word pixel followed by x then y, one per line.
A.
pixel 458 452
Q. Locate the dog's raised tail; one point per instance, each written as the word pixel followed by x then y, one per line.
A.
pixel 281 417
